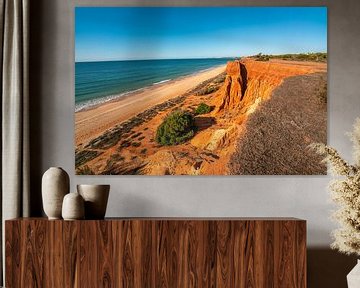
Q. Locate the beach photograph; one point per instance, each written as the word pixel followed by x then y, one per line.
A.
pixel 200 90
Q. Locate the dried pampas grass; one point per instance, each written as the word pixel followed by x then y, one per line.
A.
pixel 345 191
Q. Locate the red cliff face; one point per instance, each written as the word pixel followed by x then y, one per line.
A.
pixel 234 87
pixel 248 82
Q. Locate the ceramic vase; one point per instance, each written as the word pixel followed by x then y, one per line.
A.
pixel 55 185
pixel 73 207
pixel 353 278
pixel 96 198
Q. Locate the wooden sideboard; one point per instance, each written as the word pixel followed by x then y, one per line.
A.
pixel 156 252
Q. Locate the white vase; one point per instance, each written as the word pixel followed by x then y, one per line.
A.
pixel 96 198
pixel 55 185
pixel 353 278
pixel 73 207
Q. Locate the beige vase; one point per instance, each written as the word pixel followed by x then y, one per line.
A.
pixel 96 198
pixel 55 185
pixel 73 207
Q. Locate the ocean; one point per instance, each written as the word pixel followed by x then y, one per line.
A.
pixel 98 82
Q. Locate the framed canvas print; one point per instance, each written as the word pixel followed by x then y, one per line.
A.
pixel 200 91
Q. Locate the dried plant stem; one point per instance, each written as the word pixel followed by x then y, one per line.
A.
pixel 345 192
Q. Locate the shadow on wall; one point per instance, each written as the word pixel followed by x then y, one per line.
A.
pixel 328 268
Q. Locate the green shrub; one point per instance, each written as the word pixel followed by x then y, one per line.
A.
pixel 176 128
pixel 263 58
pixel 203 109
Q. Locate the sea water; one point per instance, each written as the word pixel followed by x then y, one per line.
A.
pixel 98 82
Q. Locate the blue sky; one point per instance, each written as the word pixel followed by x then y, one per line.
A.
pixel 119 33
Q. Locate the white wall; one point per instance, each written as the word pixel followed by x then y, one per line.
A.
pixel 52 96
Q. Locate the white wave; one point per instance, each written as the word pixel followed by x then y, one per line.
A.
pixel 97 101
pixel 160 82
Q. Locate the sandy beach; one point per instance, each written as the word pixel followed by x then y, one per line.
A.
pixel 94 121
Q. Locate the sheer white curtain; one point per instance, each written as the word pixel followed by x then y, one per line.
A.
pixel 14 37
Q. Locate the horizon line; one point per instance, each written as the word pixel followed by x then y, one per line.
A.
pixel 149 59
pixel 195 58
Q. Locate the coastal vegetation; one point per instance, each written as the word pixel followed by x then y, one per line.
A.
pixel 261 57
pixel 178 127
pixel 220 79
pixel 314 57
pixel 208 90
pixel 203 109
pixel 211 86
pixel 84 170
pixel 84 156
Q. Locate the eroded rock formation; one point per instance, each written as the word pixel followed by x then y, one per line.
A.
pixel 248 82
pixel 234 88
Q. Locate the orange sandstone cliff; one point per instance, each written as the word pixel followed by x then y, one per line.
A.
pixel 234 88
pixel 248 82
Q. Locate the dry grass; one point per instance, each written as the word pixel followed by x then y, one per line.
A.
pixel 345 192
pixel 279 131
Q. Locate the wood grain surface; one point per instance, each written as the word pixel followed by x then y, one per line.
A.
pixel 157 253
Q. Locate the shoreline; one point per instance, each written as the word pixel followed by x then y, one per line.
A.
pixel 93 121
pixel 94 103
